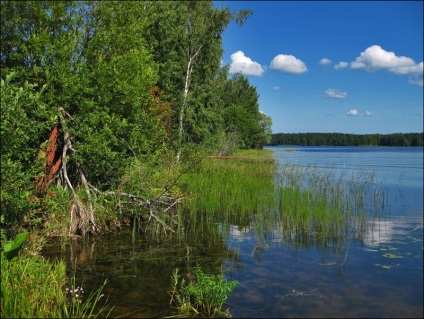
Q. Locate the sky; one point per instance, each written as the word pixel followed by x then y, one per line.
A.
pixel 332 66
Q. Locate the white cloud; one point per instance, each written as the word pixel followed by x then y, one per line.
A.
pixel 375 58
pixel 341 65
pixel 368 113
pixel 416 78
pixel 288 64
pixel 325 61
pixel 335 94
pixel 352 112
pixel 244 65
pixel 276 88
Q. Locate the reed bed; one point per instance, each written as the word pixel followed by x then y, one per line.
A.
pixel 233 188
pixel 300 201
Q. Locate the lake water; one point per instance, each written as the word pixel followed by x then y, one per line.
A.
pixel 379 275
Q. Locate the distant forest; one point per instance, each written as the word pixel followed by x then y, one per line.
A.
pixel 340 139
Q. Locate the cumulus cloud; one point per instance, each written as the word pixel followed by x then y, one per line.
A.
pixel 376 58
pixel 368 113
pixel 325 61
pixel 416 78
pixel 335 94
pixel 244 65
pixel 288 64
pixel 276 88
pixel 352 112
pixel 341 65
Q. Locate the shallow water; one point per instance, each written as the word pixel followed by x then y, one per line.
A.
pixel 380 275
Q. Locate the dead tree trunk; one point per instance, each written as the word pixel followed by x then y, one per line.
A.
pixel 81 217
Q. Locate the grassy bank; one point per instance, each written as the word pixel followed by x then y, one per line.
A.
pixel 33 287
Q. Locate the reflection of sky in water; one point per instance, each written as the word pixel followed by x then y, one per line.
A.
pixel 396 171
pixel 379 275
pixel 382 232
pixel 394 166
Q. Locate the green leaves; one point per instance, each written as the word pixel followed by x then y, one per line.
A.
pixel 205 295
pixel 10 249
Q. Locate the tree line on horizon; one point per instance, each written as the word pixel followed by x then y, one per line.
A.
pixel 341 139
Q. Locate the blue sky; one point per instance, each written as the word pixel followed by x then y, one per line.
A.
pixel 335 66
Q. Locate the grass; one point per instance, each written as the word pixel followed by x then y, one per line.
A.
pixel 32 287
pixel 230 187
pixel 301 200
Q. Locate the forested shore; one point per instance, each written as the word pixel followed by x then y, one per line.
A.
pixel 340 139
pixel 106 106
pixel 98 96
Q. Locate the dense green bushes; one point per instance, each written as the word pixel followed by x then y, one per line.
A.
pixel 122 82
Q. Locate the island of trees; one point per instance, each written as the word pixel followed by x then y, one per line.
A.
pixel 340 139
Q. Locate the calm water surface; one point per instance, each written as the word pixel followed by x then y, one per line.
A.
pixel 380 275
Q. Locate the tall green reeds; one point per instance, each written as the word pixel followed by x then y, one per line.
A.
pixel 32 287
pixel 325 203
pixel 235 188
pixel 301 201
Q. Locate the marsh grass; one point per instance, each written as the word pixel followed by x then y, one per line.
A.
pixel 32 287
pixel 233 187
pixel 302 201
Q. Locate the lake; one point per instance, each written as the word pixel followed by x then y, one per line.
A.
pixel 378 275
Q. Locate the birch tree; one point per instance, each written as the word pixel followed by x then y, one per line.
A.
pixel 203 25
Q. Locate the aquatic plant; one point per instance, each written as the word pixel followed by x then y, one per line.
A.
pixel 302 201
pixel 204 295
pixel 32 287
pixel 324 203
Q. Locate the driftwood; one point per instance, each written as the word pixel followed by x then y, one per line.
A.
pixel 153 207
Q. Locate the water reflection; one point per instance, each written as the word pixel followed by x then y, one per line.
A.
pixel 282 273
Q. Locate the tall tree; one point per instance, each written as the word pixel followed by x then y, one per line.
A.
pixel 204 26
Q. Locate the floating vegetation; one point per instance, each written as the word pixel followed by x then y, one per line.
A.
pixel 299 293
pixel 383 266
pixel 390 255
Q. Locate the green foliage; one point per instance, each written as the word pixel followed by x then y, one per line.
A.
pixel 339 139
pixel 114 77
pixel 25 123
pixel 205 295
pixel 10 249
pixel 32 287
pixel 241 113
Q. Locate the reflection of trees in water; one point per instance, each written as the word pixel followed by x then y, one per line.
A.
pixel 139 274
